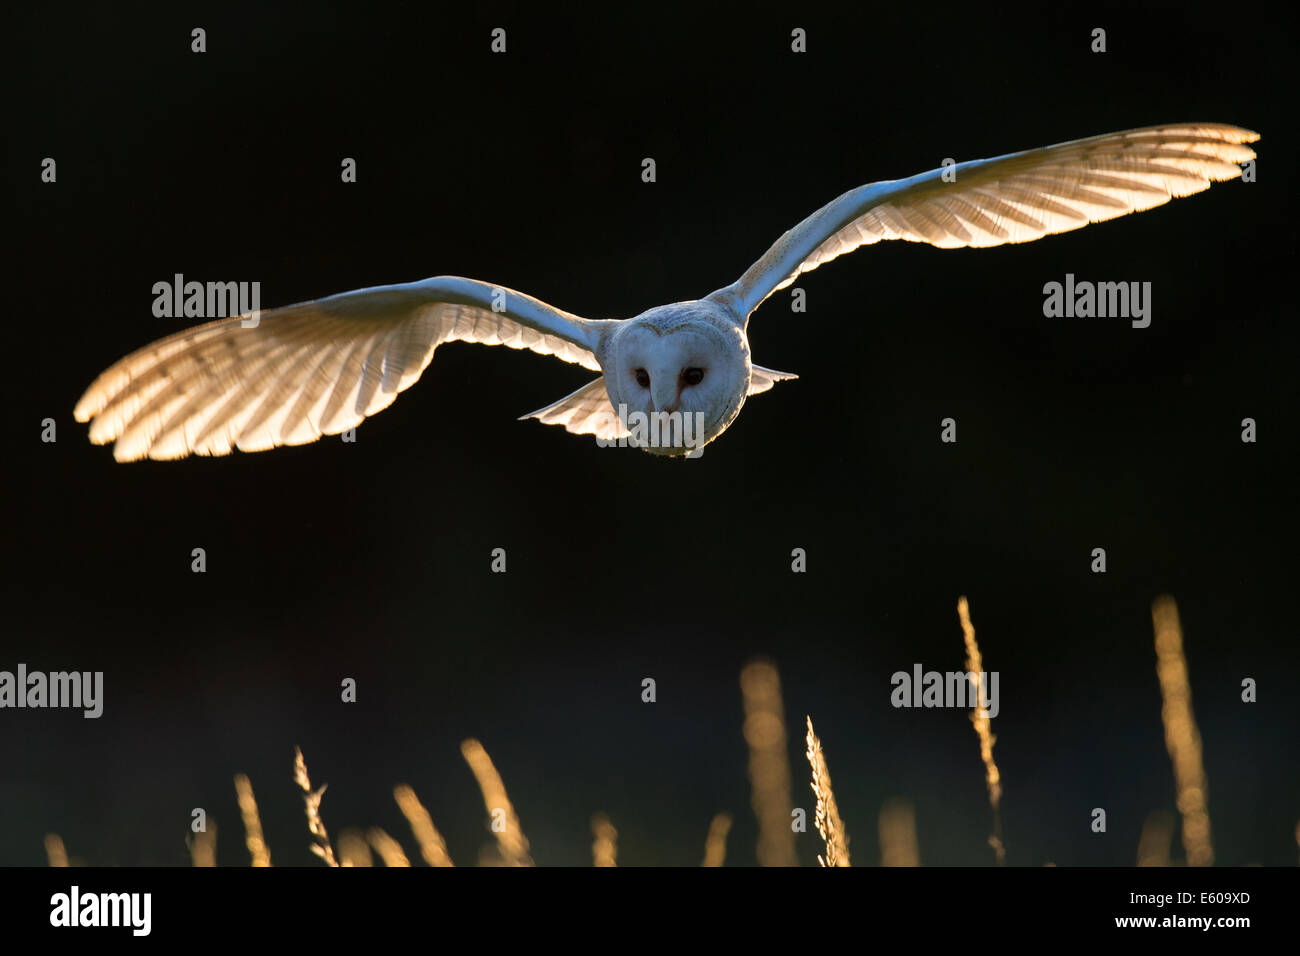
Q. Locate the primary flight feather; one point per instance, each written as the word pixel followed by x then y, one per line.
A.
pixel 288 376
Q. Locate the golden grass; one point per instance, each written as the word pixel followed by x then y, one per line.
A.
pixel 979 716
pixel 203 848
pixel 604 849
pixel 715 844
pixel 1157 834
pixel 769 763
pixel 354 849
pixel 827 817
pixel 898 846
pixel 432 846
pixel 511 841
pixel 257 848
pixel 1182 738
pixel 769 773
pixel 311 798
pixel 57 854
pixel 389 850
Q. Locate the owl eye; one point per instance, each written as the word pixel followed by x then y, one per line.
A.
pixel 642 377
pixel 693 376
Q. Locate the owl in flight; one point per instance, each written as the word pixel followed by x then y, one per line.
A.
pixel 288 376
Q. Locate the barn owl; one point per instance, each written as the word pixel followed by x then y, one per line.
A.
pixel 287 376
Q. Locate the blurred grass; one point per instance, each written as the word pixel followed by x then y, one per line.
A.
pixel 770 778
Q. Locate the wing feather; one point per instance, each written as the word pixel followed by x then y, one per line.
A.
pixel 307 370
pixel 1019 197
pixel 586 411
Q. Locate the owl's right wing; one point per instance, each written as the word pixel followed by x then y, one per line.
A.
pixel 586 411
pixel 307 370
pixel 1018 197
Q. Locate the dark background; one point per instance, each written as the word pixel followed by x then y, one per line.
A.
pixel 371 560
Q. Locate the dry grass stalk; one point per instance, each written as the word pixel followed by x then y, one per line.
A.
pixel 980 717
pixel 432 846
pixel 389 850
pixel 511 841
pixel 55 850
pixel 354 850
pixel 1182 738
pixel 715 844
pixel 203 848
pixel 828 821
pixel 257 847
pixel 321 847
pixel 898 846
pixel 604 850
pixel 769 763
pixel 1157 835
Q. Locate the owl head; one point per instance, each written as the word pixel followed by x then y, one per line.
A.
pixel 677 375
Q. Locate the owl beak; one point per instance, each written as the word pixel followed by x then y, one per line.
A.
pixel 666 398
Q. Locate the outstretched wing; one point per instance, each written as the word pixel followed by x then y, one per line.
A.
pixel 307 370
pixel 1014 198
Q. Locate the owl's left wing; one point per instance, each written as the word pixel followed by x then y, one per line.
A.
pixel 1014 198
pixel 312 369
